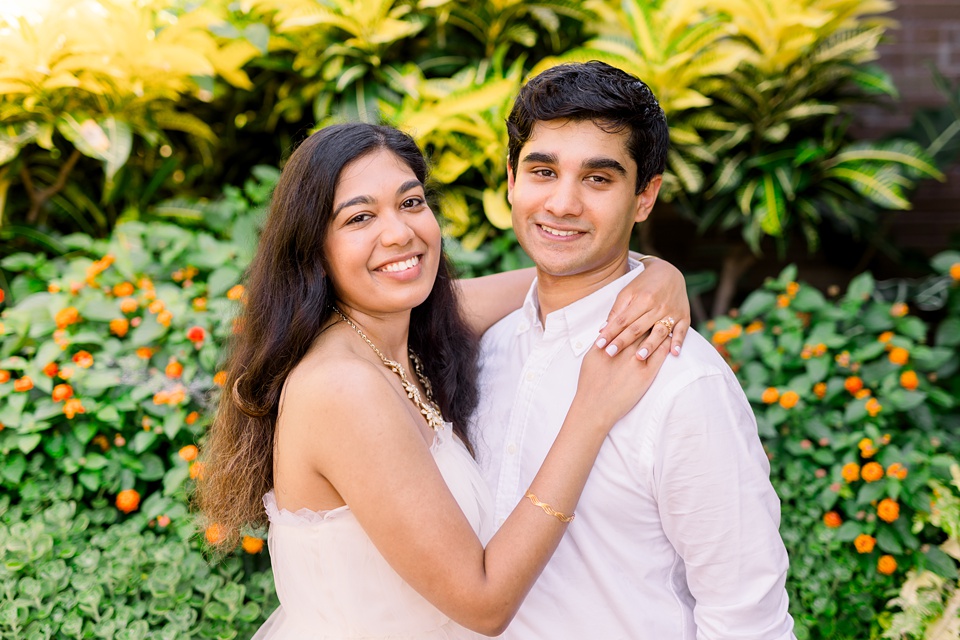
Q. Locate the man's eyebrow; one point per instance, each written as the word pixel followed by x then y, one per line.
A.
pixel 537 156
pixel 593 164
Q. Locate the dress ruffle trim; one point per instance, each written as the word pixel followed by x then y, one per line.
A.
pixel 300 517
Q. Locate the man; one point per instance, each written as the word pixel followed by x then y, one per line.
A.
pixel 676 533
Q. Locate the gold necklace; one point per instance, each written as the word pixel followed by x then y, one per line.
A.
pixel 429 409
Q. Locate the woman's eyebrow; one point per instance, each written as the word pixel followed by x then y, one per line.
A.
pixel 353 201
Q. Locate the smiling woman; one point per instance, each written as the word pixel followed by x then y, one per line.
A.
pixel 350 387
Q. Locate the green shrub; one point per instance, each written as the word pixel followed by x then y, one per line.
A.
pixel 72 572
pixel 854 414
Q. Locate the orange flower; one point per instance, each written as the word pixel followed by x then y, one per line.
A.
pixel 832 519
pixel 867 448
pixel 850 472
pixel 864 543
pixel 871 472
pixel 220 378
pixel 66 317
pixel 725 336
pixel 199 304
pixel 123 289
pixel 885 337
pixel 174 369
pixel 754 326
pixel 886 565
pixel 853 384
pixel 51 369
pixel 72 407
pixel 191 417
pixel 899 309
pixel 235 292
pixel 196 334
pixel 119 327
pixel 792 288
pixel 252 545
pixel 196 471
pixel 783 300
pixel 128 305
pixel 144 353
pixel 955 271
pixel 4 376
pixel 215 534
pixel 770 395
pixel 3 296
pixel 820 389
pixel 843 358
pixel 177 396
pixel 62 392
pixel 819 349
pixel 897 470
pixel 53 287
pixel 888 510
pixel 128 500
pixel 789 399
pixel 909 380
pixel 156 306
pixel 23 384
pixel 189 452
pixel 899 356
pixel 873 407
pixel 83 359
pixel 66 373
pixel 164 318
pixel 163 521
pixel 161 397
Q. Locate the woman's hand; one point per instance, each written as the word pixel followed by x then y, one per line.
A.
pixel 648 304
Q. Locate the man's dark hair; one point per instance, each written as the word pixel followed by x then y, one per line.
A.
pixel 613 99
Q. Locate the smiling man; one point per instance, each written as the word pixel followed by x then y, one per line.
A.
pixel 676 535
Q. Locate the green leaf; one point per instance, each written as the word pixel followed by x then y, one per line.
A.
pixel 948 333
pixel 757 303
pixel 940 563
pixel 28 442
pixel 870 491
pixel 849 530
pixel 887 541
pixel 13 467
pixel 860 288
pixel 152 467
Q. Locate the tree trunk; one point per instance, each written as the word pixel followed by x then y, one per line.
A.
pixel 738 260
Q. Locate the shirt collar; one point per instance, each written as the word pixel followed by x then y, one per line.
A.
pixel 579 322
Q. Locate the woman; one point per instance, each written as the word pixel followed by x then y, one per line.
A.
pixel 351 382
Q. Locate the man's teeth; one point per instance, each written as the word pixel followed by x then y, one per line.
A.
pixel 402 266
pixel 558 232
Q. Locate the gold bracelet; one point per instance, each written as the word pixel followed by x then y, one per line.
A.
pixel 550 511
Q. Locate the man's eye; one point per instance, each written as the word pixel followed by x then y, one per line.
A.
pixel 597 179
pixel 545 173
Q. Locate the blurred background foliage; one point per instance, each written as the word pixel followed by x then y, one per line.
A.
pixel 139 144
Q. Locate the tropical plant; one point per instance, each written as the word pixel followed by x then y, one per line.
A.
pixel 789 162
pixel 78 81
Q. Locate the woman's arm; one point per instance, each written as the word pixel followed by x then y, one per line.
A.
pixel 381 467
pixel 486 300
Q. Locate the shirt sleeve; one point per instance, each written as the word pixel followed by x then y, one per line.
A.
pixel 721 514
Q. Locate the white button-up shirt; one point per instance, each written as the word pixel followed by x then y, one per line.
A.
pixel 676 535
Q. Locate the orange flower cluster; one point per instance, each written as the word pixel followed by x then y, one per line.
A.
pixel 196 335
pixel 873 407
pixel 954 272
pixel 215 534
pixel 66 317
pixel 191 417
pixel 236 292
pixel 173 398
pixel 832 519
pixel 886 565
pixel 185 275
pixel 899 309
pixel 770 395
pixel 864 543
pixel 820 389
pixel 843 359
pixel 144 353
pixel 885 337
pixel 174 369
pixel 850 472
pixel 51 369
pixel 83 359
pixel 4 376
pixel 200 304
pixel 128 500
pixel 252 545
pixel 119 327
pixel 867 448
pixel 62 392
pixel 220 378
pixel 72 407
pixel 888 510
pixel 98 267
pixel 789 399
pixel 196 471
pixel 871 472
pixel 726 335
pixel 909 380
pixel 899 356
pixel 128 305
pixel 755 326
pixel 123 289
pixel 23 384
pixel 189 452
pixel 897 470
pixel 853 384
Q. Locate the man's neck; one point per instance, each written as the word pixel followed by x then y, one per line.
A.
pixel 556 292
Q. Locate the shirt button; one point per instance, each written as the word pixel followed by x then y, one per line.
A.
pixel 523 326
pixel 531 376
pixel 578 345
pixel 511 448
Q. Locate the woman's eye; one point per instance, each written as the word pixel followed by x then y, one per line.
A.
pixel 363 217
pixel 412 203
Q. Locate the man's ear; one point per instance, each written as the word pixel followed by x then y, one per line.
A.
pixel 647 198
pixel 510 182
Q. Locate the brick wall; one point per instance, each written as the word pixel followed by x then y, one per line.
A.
pixel 929 32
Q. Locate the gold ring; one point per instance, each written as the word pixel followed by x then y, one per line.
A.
pixel 667 322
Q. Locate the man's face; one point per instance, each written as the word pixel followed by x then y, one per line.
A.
pixel 573 197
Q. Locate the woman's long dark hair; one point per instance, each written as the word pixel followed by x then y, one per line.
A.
pixel 288 298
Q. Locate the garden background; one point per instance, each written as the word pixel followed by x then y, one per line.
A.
pixel 139 142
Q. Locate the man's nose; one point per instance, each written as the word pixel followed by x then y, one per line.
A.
pixel 565 199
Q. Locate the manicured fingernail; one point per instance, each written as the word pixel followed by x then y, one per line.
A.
pixel 643 353
pixel 676 350
pixel 611 350
pixel 600 343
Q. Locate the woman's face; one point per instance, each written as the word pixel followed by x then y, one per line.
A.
pixel 383 245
